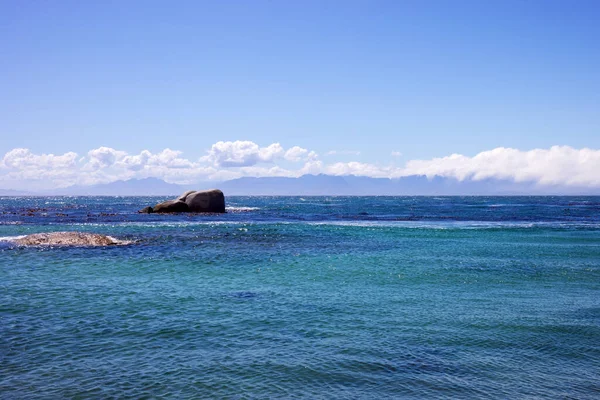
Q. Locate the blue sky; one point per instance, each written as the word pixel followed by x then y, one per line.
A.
pixel 423 78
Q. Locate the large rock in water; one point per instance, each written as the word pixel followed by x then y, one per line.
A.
pixel 67 239
pixel 212 201
pixel 206 201
pixel 171 206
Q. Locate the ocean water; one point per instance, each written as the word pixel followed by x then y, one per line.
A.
pixel 315 297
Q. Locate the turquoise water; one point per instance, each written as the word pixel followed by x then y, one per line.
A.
pixel 342 297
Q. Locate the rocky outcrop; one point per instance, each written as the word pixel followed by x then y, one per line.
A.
pixel 171 206
pixel 67 239
pixel 186 194
pixel 206 201
pixel 211 201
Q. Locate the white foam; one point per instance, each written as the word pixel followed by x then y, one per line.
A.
pixel 241 208
pixel 157 224
pixel 11 238
pixel 120 242
pixel 434 224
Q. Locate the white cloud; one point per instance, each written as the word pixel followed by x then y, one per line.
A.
pixel 396 154
pixel 22 159
pixel 242 154
pixel 137 162
pixel 359 169
pixel 312 166
pixel 103 157
pixel 20 166
pixel 295 153
pixel 558 165
pixel 167 158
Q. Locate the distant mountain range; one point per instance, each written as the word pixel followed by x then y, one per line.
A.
pixel 315 185
pixel 131 187
pixel 10 192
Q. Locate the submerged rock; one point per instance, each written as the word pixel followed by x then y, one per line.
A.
pixel 67 239
pixel 212 201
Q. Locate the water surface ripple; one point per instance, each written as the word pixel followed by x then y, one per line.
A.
pixel 304 297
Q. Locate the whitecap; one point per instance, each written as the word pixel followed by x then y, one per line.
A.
pixel 442 225
pixel 241 209
pixel 11 238
pixel 155 224
pixel 121 242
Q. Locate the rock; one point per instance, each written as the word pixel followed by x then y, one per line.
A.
pixel 206 201
pixel 146 210
pixel 212 201
pixel 185 195
pixel 67 239
pixel 171 206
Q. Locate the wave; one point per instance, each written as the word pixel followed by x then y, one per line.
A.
pixel 240 209
pixel 121 242
pixel 459 224
pixel 11 238
pixel 171 224
pixel 355 223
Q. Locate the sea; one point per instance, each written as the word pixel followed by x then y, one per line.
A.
pixel 304 297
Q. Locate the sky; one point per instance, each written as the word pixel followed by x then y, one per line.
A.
pixel 196 91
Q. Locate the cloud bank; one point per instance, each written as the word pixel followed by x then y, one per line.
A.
pixel 559 165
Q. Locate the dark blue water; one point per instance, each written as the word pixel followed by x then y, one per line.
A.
pixel 315 297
